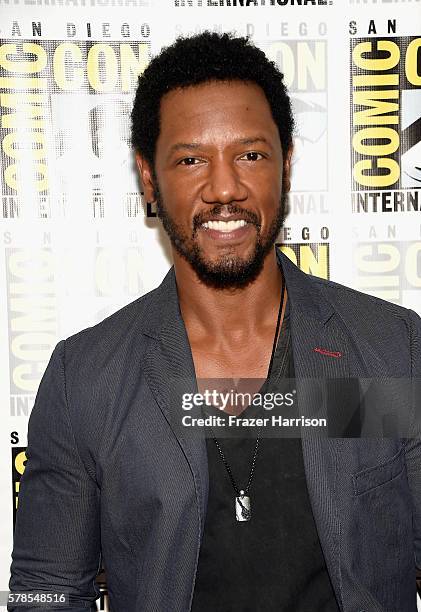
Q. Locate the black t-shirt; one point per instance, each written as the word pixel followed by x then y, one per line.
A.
pixel 274 561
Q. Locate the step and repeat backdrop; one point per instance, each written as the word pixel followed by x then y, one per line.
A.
pixel 78 240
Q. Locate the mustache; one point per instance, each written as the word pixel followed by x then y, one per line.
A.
pixel 232 209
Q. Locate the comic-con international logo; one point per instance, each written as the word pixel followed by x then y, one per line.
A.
pixel 32 321
pixel 311 257
pixel 390 270
pixel 18 468
pixel 65 122
pixel 386 124
pixel 304 65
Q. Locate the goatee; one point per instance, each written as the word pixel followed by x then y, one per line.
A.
pixel 230 271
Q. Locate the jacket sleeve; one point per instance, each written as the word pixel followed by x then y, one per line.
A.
pixel 413 446
pixel 57 534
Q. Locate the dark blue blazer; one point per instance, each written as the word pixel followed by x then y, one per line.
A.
pixel 110 480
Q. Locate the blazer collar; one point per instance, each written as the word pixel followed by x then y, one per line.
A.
pixel 305 298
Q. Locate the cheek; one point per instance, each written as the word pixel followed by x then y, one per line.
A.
pixel 176 196
pixel 268 202
pixel 265 186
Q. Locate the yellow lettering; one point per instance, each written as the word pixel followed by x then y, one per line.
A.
pixel 413 256
pixel 312 264
pixel 20 462
pixel 67 76
pixel 412 63
pixel 33 346
pixel 16 82
pixel 373 64
pixel 22 377
pixel 132 66
pixel 311 65
pixel 102 54
pixel 135 271
pixel 282 55
pixel 376 133
pixel 369 80
pixel 27 112
pixel 16 152
pixel 20 66
pixel 376 114
pixel 380 265
pixel 290 253
pixel 38 314
pixel 364 172
pixel 11 176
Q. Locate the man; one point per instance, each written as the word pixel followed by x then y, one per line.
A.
pixel 186 523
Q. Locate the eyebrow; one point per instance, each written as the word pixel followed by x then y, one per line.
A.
pixel 197 145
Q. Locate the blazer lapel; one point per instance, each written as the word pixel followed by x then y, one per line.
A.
pixel 320 351
pixel 169 369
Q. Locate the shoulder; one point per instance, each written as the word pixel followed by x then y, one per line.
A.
pixel 93 349
pixel 347 300
pixel 379 321
pixel 101 363
pixel 116 324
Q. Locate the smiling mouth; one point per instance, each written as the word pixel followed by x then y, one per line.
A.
pixel 224 226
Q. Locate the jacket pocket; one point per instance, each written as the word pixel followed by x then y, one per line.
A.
pixel 369 478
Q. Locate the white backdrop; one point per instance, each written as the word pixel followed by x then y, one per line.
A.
pixel 78 242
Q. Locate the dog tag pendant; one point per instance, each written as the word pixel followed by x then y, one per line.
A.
pixel 242 507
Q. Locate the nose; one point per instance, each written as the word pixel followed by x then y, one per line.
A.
pixel 223 184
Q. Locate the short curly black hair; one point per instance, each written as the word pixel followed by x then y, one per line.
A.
pixel 208 56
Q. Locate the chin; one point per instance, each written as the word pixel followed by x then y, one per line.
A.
pixel 228 272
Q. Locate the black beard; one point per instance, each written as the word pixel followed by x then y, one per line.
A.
pixel 230 271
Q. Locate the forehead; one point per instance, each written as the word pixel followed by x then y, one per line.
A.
pixel 212 110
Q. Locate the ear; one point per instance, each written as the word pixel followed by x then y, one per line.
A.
pixel 146 176
pixel 286 177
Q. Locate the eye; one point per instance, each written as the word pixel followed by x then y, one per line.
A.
pixel 189 161
pixel 252 156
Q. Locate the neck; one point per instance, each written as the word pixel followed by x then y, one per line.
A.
pixel 209 311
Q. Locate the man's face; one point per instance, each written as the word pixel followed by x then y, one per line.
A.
pixel 220 179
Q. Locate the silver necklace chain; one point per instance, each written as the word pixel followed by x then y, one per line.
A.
pixel 242 493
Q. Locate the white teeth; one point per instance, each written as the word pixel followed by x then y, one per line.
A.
pixel 224 226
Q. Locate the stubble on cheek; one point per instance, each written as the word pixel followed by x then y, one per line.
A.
pixel 225 269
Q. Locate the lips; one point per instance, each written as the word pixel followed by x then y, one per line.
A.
pixel 226 231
